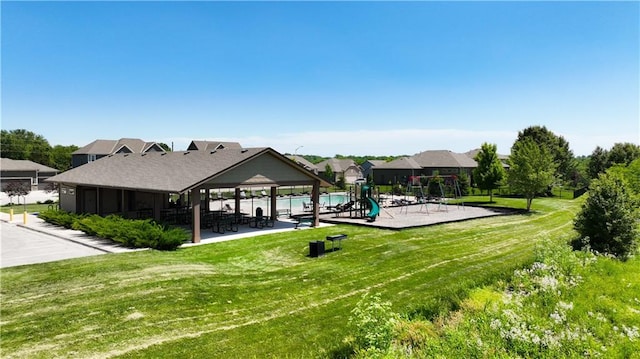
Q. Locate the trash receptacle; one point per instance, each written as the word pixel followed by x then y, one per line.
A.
pixel 316 249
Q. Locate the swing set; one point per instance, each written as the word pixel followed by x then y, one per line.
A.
pixel 438 189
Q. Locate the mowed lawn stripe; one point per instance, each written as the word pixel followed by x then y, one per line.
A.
pixel 222 297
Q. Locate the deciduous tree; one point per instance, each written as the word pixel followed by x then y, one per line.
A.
pixel 490 172
pixel 608 221
pixel 531 169
pixel 556 145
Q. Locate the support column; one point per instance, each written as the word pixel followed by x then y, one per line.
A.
pixel 274 202
pixel 236 205
pixel 315 197
pixel 122 204
pixel 207 203
pixel 195 215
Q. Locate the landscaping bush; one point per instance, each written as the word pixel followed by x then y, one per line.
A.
pixel 373 322
pixel 608 221
pixel 60 218
pixel 130 233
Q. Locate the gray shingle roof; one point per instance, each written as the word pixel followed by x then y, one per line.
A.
pixel 8 164
pixel 211 145
pixel 443 158
pixel 303 162
pixel 173 172
pixel 399 163
pixel 337 165
pixel 105 147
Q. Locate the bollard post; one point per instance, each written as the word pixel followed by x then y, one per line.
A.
pixel 24 217
pixel 11 215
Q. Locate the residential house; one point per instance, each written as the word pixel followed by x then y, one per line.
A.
pixel 368 165
pixel 426 163
pixel 101 148
pixel 342 168
pixel 23 171
pixel 503 158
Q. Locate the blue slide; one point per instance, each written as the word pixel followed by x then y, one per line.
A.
pixel 375 209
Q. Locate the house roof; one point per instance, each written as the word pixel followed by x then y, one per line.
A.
pixel 8 164
pixel 376 162
pixel 177 172
pixel 337 165
pixel 473 153
pixel 106 147
pixel 400 163
pixel 303 162
pixel 211 145
pixel 443 158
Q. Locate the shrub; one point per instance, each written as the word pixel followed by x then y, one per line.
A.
pixel 60 218
pixel 373 324
pixel 608 220
pixel 130 233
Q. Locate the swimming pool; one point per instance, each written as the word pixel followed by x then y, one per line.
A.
pixel 294 203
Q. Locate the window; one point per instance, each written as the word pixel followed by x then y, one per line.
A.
pixel 91 158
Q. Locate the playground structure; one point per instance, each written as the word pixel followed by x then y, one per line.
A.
pixel 361 200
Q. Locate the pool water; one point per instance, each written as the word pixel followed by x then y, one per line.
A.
pixel 295 203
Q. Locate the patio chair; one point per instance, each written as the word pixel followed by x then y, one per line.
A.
pixel 260 220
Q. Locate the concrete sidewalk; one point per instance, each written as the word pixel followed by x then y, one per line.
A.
pixel 207 236
pixel 34 223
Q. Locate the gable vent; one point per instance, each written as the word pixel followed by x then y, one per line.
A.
pixel 244 150
pixel 212 152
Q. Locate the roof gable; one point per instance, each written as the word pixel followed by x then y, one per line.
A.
pixel 211 145
pixel 123 145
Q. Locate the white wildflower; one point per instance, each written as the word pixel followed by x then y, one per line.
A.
pixel 548 283
pixel 565 306
pixel 558 318
pixel 632 333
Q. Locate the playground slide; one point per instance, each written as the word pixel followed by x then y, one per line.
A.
pixel 375 209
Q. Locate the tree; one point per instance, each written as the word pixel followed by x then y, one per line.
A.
pixel 557 146
pixel 598 162
pixel 531 169
pixel 25 145
pixel 17 188
pixel 164 146
pixel 608 220
pixel 623 153
pixel 489 172
pixel 61 156
pixel 328 173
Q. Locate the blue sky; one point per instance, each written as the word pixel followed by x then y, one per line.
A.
pixel 324 78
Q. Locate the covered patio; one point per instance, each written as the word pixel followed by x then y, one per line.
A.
pixel 142 185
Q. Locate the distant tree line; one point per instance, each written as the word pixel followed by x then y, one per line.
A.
pixel 22 144
pixel 25 145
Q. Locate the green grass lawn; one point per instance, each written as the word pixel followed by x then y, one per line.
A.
pixel 30 208
pixel 260 296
